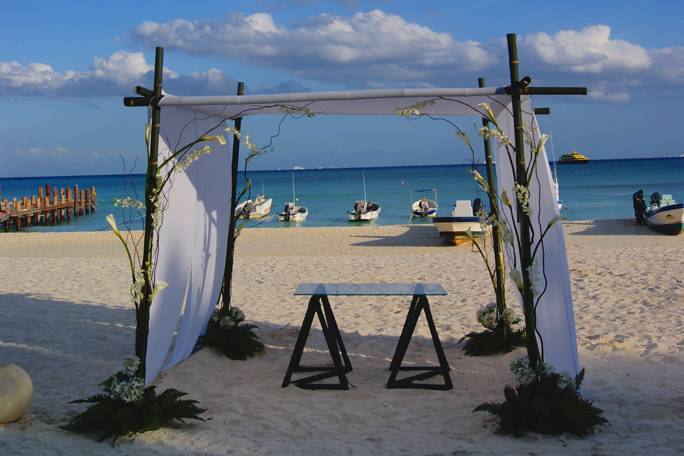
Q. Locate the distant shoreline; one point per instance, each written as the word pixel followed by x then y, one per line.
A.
pixel 330 168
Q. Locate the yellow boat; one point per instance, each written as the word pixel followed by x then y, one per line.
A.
pixel 573 158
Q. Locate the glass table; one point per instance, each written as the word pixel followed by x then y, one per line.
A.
pixel 319 306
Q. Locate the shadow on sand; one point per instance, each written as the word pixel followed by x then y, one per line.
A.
pixel 611 227
pixel 414 236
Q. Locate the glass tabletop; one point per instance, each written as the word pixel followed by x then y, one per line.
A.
pixel 370 289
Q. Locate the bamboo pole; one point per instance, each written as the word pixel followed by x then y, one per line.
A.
pixel 523 219
pixel 497 240
pixel 143 311
pixel 230 249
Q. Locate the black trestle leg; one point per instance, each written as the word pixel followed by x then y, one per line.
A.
pixel 330 317
pixel 333 340
pixel 419 303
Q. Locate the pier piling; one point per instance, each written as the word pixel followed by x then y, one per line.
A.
pixel 46 208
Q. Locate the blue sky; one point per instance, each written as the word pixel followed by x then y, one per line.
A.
pixel 64 67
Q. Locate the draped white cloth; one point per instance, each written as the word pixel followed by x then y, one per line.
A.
pixel 192 240
pixel 554 309
pixel 451 102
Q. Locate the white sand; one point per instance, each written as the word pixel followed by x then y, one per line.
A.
pixel 65 317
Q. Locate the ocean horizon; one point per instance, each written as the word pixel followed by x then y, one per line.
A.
pixel 601 189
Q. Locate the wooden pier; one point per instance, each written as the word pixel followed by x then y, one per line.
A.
pixel 47 208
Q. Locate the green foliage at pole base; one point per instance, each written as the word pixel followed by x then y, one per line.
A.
pixel 227 331
pixel 548 404
pixel 125 407
pixel 488 342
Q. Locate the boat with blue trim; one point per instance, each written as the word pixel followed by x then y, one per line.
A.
pixel 665 215
pixel 424 207
pixel 463 225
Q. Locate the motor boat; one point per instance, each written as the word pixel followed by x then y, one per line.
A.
pixel 253 209
pixel 463 225
pixel 364 210
pixel 424 207
pixel 665 215
pixel 293 212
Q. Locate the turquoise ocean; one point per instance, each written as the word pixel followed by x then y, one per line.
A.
pixel 601 189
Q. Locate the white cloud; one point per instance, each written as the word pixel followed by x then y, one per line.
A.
pixel 377 49
pixel 366 47
pixel 113 75
pixel 39 152
pixel 669 63
pixel 122 67
pixel 31 76
pixel 588 50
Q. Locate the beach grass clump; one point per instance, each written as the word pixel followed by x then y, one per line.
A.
pixel 125 407
pixel 499 336
pixel 228 332
pixel 545 402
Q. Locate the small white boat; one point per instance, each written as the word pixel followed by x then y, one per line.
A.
pixel 364 210
pixel 462 225
pixel 252 209
pixel 424 207
pixel 293 212
pixel 665 215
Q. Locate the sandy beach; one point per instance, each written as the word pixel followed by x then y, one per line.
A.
pixel 66 317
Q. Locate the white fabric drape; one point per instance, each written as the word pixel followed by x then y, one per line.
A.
pixel 555 317
pixel 192 241
pixel 444 102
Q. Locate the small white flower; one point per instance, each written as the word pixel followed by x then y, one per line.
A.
pixel 479 178
pixel 128 390
pixel 487 316
pixel 185 163
pixel 129 202
pixel 517 278
pixel 415 110
pixel 112 223
pixel 488 111
pixel 522 194
pixel 130 365
pixel 215 138
pixel 485 132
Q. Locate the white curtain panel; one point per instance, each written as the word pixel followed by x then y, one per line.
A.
pixel 192 241
pixel 554 310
